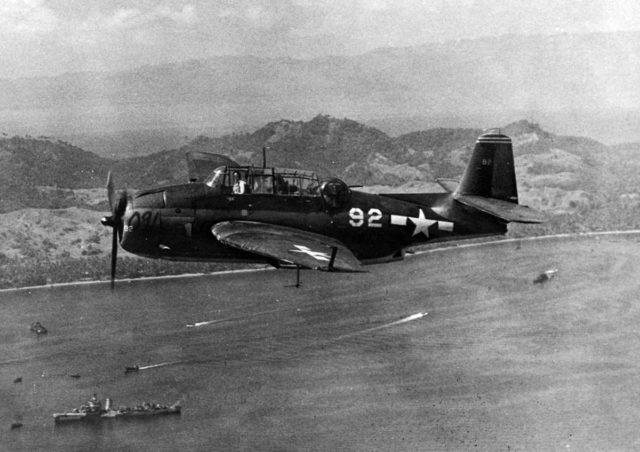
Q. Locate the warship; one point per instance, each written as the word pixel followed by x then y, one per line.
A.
pixel 94 411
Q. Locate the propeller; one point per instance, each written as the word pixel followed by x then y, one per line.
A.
pixel 118 205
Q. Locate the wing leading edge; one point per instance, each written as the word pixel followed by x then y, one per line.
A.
pixel 291 245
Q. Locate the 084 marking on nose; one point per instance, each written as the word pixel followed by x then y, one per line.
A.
pixel 144 221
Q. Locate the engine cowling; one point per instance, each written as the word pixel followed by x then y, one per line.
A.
pixel 335 192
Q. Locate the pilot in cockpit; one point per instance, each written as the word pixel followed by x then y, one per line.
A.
pixel 239 185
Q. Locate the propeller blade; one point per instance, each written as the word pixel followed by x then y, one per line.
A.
pixel 119 210
pixel 114 256
pixel 118 204
pixel 110 190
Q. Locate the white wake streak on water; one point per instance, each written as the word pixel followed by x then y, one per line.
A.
pixel 151 366
pixel 233 319
pixel 410 318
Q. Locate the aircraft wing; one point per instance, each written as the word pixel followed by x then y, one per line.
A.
pixel 290 245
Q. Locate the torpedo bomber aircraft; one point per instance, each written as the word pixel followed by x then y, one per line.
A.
pixel 290 217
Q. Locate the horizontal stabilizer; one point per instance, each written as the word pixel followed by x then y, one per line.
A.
pixel 504 210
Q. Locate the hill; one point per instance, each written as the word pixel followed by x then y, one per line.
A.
pixel 43 173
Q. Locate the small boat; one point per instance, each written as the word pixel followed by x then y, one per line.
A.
pixel 545 276
pixel 129 369
pixel 38 328
pixel 16 425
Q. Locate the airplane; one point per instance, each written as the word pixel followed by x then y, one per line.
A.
pixel 290 217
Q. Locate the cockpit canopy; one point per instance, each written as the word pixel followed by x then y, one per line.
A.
pixel 251 180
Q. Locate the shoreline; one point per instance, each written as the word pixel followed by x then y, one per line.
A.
pixel 128 280
pixel 460 244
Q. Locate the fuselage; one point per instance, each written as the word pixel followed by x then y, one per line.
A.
pixel 174 222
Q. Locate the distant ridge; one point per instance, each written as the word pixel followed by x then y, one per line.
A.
pixel 581 84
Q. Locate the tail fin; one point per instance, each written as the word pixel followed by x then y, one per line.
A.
pixel 490 172
pixel 489 182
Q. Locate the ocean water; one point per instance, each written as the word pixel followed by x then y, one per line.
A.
pixel 452 350
pixel 239 374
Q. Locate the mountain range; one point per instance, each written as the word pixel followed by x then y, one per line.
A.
pixel 580 84
pixel 44 173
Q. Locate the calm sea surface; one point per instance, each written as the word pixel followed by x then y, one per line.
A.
pixel 454 350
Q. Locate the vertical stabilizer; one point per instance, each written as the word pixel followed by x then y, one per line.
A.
pixel 490 172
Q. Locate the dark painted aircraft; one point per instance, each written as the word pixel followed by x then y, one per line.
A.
pixel 290 217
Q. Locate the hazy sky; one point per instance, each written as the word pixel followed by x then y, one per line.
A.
pixel 46 37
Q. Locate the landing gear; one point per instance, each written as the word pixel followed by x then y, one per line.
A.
pixel 334 251
pixel 297 284
pixel 329 268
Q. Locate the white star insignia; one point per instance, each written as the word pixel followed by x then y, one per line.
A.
pixel 318 255
pixel 422 224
